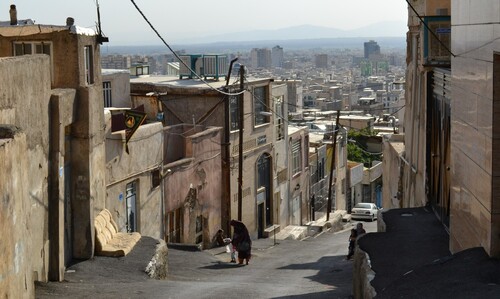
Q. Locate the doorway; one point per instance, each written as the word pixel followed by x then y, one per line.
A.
pixel 130 201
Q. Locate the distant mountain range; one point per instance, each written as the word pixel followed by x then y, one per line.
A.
pixel 385 29
pixel 387 34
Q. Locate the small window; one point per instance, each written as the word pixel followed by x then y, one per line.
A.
pixel 296 157
pixel 234 112
pixel 260 104
pixel 278 120
pixel 155 178
pixel 89 64
pixel 106 89
pixel 32 47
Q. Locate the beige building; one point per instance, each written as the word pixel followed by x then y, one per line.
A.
pixel 474 200
pixel 299 199
pixel 51 110
pixel 193 102
pixel 133 180
pixel 116 88
pixel 452 167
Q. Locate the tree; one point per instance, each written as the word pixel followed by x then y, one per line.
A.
pixel 356 147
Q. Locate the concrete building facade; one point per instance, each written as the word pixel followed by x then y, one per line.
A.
pixel 474 200
pixel 191 101
pixel 192 184
pixel 54 100
pixel 277 56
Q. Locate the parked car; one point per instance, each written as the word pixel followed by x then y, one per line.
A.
pixel 364 210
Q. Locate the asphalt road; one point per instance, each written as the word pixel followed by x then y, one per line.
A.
pixel 311 268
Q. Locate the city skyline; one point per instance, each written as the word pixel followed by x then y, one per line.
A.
pixel 179 22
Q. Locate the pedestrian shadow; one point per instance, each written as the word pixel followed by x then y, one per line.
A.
pixel 222 265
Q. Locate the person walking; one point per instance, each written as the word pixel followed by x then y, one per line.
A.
pixel 352 243
pixel 241 241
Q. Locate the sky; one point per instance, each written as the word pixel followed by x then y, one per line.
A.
pixel 180 20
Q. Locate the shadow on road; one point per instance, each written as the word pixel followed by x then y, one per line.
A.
pixel 333 271
pixel 221 265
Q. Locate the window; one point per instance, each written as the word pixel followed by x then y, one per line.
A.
pixel 260 104
pixel 106 89
pixel 306 151
pixel 89 64
pixel 296 157
pixel 28 48
pixel 234 111
pixel 278 109
pixel 155 178
pixel 322 168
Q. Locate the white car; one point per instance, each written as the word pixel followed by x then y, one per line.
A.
pixel 364 210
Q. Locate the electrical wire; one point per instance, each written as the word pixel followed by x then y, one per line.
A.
pixel 177 56
pixel 477 48
pixel 427 26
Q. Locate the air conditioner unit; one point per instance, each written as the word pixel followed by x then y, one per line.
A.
pixel 437 40
pixel 207 66
pixel 215 66
pixel 191 62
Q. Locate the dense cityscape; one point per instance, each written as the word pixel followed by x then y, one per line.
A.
pixel 295 165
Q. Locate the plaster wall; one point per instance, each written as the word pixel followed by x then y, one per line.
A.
pixel 145 155
pixel 193 185
pixel 25 83
pixel 120 87
pixel 186 104
pixel 391 173
pixel 16 265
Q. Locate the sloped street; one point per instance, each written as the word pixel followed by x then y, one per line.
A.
pixel 311 268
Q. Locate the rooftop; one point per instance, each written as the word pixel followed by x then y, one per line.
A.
pixel 193 83
pixel 29 28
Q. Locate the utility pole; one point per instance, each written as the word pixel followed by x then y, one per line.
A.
pixel 332 165
pixel 226 173
pixel 240 148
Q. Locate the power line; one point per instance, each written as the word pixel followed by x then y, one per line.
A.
pixel 177 56
pixel 432 32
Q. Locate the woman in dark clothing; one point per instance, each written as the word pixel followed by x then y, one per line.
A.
pixel 241 241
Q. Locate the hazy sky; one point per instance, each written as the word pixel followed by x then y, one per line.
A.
pixel 177 20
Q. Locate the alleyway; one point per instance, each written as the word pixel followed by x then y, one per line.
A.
pixel 312 268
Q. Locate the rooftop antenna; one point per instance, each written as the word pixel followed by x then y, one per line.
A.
pixel 100 37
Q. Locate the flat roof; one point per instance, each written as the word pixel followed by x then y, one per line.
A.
pixel 195 83
pixel 114 71
pixel 33 29
pixel 295 129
